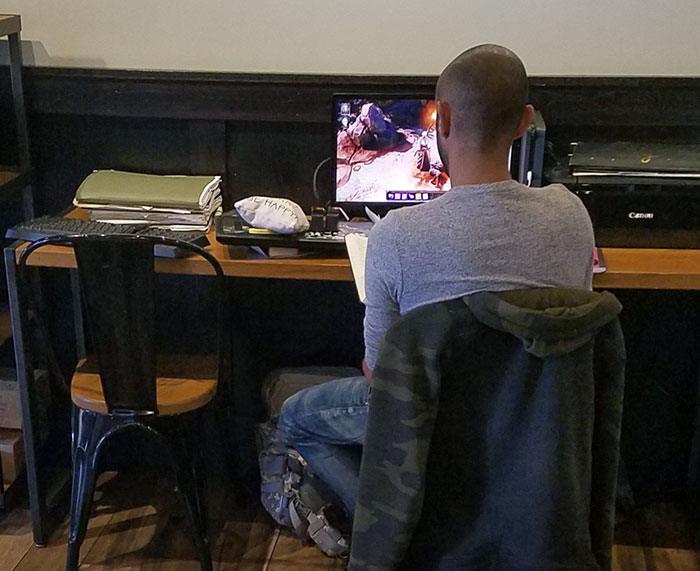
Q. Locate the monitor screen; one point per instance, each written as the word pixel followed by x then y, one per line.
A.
pixel 386 150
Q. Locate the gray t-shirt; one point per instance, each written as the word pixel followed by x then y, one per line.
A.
pixel 496 237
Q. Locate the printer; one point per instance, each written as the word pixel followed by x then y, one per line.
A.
pixel 639 195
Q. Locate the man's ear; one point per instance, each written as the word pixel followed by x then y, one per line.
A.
pixel 445 118
pixel 525 122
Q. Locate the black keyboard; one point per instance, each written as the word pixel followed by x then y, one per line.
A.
pixel 40 228
pixel 233 230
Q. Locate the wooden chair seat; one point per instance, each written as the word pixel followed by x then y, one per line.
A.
pixel 184 383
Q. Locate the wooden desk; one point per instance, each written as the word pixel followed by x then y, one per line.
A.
pixel 627 268
pixel 650 269
pixel 236 261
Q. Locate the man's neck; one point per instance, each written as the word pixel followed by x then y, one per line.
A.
pixel 478 168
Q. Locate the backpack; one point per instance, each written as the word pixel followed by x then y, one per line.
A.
pixel 290 492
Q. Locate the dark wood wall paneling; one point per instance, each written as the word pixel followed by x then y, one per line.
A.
pixel 266 133
pixel 306 98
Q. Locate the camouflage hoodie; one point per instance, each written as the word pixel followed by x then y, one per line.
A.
pixel 493 436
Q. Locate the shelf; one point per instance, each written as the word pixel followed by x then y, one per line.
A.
pixel 5 324
pixel 7 176
pixel 9 24
pixel 12 182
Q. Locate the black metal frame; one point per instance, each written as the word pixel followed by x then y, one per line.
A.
pixel 23 181
pixel 37 484
pixel 90 429
pixel 72 240
pixel 175 434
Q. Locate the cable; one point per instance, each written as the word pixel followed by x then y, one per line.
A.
pixel 315 180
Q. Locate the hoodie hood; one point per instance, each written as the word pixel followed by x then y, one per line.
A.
pixel 549 321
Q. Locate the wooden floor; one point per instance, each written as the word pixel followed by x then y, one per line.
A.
pixel 138 524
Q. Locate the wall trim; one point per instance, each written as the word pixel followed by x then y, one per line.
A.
pixel 565 100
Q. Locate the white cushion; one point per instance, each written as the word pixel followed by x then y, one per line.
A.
pixel 277 214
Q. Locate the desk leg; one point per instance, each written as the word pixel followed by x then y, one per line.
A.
pixel 28 203
pixel 693 481
pixel 25 379
pixel 77 315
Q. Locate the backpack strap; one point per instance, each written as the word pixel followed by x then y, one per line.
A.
pixel 298 515
pixel 314 526
pixel 328 538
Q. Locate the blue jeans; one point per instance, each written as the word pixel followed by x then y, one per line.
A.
pixel 326 425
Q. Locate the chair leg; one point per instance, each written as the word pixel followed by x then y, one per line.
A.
pixel 187 456
pixel 88 430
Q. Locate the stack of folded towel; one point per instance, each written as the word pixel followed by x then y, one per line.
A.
pixel 159 201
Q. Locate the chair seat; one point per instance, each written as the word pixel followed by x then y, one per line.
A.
pixel 184 383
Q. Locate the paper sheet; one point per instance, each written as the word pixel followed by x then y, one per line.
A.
pixel 356 245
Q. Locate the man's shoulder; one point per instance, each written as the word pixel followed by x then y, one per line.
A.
pixel 555 198
pixel 416 220
pixel 411 215
pixel 400 218
pixel 558 192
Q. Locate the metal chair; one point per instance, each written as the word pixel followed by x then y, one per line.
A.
pixel 127 385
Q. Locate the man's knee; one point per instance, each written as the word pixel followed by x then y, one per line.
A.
pixel 306 416
pixel 287 421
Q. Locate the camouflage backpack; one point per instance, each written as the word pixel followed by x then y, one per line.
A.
pixel 290 492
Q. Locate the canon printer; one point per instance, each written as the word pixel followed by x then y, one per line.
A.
pixel 638 195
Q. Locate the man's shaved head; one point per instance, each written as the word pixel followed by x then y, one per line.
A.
pixel 486 88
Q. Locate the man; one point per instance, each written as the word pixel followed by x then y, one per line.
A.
pixel 487 233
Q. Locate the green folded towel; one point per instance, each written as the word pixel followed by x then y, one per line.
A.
pixel 115 188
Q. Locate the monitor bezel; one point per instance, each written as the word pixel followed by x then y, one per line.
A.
pixel 358 208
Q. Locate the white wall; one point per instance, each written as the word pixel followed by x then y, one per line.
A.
pixel 555 37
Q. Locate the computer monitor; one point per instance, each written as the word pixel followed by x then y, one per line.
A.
pixel 386 155
pixel 386 150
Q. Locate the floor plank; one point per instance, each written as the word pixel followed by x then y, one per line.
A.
pixel 634 558
pixel 290 555
pixel 52 557
pixel 172 549
pixel 675 559
pixel 246 541
pixel 138 525
pixel 15 537
pixel 113 507
pixel 128 541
